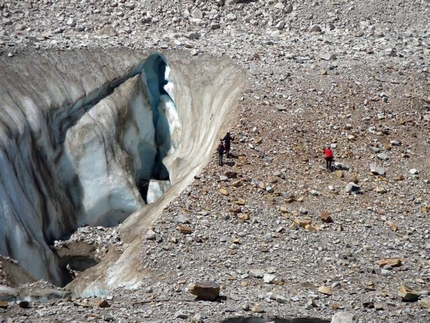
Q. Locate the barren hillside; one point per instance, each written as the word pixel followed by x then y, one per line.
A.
pixel 350 74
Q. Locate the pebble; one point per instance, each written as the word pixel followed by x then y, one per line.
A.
pixel 408 294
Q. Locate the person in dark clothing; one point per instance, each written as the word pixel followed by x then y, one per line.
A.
pixel 328 156
pixel 227 140
pixel 220 149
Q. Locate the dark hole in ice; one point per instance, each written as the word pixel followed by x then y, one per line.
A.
pixel 78 263
pixel 74 257
pixel 142 186
pixel 155 78
pixel 274 320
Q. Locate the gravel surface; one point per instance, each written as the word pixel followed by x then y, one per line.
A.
pixel 350 74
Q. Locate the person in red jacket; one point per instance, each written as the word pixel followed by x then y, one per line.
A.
pixel 328 156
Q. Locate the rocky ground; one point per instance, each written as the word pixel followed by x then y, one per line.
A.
pixel 350 74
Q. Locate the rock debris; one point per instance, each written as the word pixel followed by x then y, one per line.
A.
pixel 279 234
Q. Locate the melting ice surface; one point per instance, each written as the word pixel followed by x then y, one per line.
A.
pixel 96 170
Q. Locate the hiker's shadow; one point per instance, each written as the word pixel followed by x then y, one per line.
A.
pixel 219 299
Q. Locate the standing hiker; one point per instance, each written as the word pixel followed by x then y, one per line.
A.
pixel 220 149
pixel 328 156
pixel 227 140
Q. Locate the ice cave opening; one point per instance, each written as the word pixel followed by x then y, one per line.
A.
pixel 155 75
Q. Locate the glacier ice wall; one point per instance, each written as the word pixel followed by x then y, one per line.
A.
pixel 75 141
pixel 82 133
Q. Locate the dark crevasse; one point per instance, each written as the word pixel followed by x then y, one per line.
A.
pixel 154 77
pixel 154 74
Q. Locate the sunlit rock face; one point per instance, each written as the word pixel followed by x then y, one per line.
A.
pixel 90 137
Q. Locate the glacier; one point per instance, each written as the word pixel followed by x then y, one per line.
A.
pixel 99 138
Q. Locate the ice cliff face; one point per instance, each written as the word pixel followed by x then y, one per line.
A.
pixel 83 135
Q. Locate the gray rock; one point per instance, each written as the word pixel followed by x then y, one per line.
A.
pixel 383 156
pixel 181 315
pixel 257 273
pixel 374 169
pixel 199 318
pixel 193 35
pixel 197 14
pixel 231 17
pixel 314 193
pixel 343 317
pixel 215 25
pixel 182 219
pixel 230 2
pixel 71 22
pixel 391 52
pixel 340 166
pixel 150 235
pixel 352 188
pixel 280 25
pixel 311 304
pixel 315 29
pixel 276 297
pixel 269 278
pixel 327 56
pixel 107 31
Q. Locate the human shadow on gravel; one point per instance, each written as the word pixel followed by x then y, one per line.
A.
pixel 229 163
pixel 275 320
pixel 232 156
pixel 219 299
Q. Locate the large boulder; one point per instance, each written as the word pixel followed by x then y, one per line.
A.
pixel 206 290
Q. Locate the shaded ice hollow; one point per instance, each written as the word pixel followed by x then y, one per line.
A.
pixel 87 138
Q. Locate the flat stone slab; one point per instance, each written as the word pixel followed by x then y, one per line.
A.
pixel 206 290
